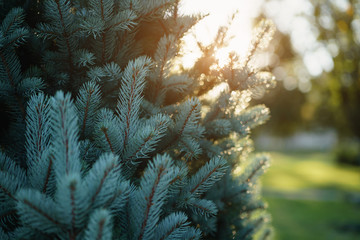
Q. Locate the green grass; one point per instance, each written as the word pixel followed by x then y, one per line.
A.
pixel 296 171
pixel 312 220
pixel 303 191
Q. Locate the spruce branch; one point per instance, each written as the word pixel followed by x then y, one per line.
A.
pixel 263 34
pixel 202 207
pixel 88 103
pixel 7 165
pixel 130 96
pixel 38 211
pixel 193 234
pixel 101 179
pixel 16 38
pixel 146 138
pixel 120 198
pixel 165 51
pixel 185 123
pixel 37 128
pixel 102 8
pixel 13 20
pixel 30 85
pixel 173 226
pixel 9 185
pixel 189 147
pixel 207 175
pixel 100 226
pixel 72 200
pixel 107 132
pixel 38 135
pixel 258 166
pixel 177 83
pixel 126 109
pixel 62 12
pixel 123 21
pixel 65 143
pixel 84 58
pixel 149 8
pixel 146 202
pixel 12 73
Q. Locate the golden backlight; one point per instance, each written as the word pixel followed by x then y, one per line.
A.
pixel 240 30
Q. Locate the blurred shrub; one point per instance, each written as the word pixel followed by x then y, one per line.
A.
pixel 348 152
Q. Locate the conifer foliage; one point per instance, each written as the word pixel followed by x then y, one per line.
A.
pixel 107 140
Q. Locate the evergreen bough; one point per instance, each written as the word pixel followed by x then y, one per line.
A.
pixel 106 140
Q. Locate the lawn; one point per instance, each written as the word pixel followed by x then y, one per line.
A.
pixel 307 195
pixel 312 220
pixel 300 171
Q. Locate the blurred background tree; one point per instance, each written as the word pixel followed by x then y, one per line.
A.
pixel 339 31
pixel 316 56
pixel 286 100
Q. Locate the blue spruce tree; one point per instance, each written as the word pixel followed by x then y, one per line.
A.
pixel 105 140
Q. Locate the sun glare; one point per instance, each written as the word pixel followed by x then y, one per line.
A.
pixel 219 12
pixel 222 56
